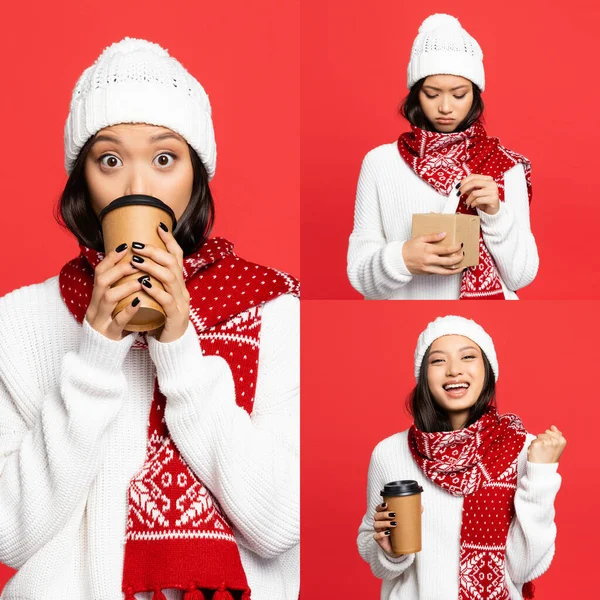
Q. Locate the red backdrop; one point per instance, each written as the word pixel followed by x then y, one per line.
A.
pixel 357 369
pixel 246 55
pixel 538 59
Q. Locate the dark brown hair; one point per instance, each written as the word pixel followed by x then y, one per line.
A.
pixel 74 209
pixel 411 109
pixel 429 416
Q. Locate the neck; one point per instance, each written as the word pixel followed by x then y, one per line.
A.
pixel 458 419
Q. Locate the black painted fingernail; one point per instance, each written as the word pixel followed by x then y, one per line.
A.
pixel 147 283
pixel 134 266
pixel 458 193
pixel 121 248
pixel 163 226
pixel 458 185
pixel 135 302
pixel 462 244
pixel 384 505
pixel 138 245
pixel 393 523
pixel 387 532
pixel 391 515
pixel 141 279
pixel 137 259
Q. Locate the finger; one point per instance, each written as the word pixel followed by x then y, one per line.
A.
pixel 447 261
pixel 158 255
pixel 112 258
pixel 114 295
pixel 384 516
pixel 381 535
pixel 431 238
pixel 471 177
pixel 120 321
pixel 166 300
pixel 106 278
pixel 476 194
pixel 556 429
pixel 478 183
pixel 444 250
pixel 483 201
pixel 382 525
pixel 172 246
pixel 167 277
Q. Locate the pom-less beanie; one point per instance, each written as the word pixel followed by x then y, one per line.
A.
pixel 137 81
pixel 454 325
pixel 443 47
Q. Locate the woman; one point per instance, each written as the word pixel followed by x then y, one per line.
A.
pixel 148 466
pixel 446 164
pixel 488 485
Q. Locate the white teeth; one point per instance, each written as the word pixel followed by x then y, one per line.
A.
pixel 451 386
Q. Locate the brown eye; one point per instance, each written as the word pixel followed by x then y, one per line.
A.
pixel 111 161
pixel 163 159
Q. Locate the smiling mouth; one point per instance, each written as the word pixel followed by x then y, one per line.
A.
pixel 456 390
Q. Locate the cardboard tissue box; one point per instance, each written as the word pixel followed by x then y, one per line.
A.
pixel 458 227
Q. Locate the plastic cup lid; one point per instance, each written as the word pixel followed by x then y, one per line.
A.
pixel 138 199
pixel 405 487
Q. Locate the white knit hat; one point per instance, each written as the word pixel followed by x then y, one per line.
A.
pixel 137 81
pixel 443 47
pixel 454 325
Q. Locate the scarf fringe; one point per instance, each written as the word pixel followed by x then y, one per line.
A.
pixel 528 590
pixel 222 593
pixel 158 595
pixel 193 593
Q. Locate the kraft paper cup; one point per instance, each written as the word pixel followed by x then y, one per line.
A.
pixel 404 498
pixel 135 218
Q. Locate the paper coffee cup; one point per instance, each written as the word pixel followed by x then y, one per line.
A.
pixel 404 499
pixel 135 218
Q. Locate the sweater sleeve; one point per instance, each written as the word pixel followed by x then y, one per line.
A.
pixel 508 236
pixel 530 542
pixel 249 462
pixel 383 566
pixel 51 445
pixel 376 267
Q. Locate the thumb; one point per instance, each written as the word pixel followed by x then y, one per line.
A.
pixel 432 238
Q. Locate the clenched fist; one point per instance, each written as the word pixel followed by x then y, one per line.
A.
pixel 547 447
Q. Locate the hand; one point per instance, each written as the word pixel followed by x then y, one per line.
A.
pixel 167 267
pixel 423 256
pixel 482 193
pixel 547 447
pixel 105 298
pixel 383 522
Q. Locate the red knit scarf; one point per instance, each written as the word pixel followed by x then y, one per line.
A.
pixel 444 159
pixel 478 462
pixel 177 534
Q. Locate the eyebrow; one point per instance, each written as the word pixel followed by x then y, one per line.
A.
pixel 463 348
pixel 157 137
pixel 459 87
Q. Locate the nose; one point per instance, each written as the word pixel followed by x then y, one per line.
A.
pixel 137 183
pixel 453 369
pixel 445 106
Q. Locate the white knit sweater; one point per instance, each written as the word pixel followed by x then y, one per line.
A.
pixel 389 193
pixel 432 574
pixel 74 409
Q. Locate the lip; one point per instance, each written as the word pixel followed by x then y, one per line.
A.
pixel 445 121
pixel 456 392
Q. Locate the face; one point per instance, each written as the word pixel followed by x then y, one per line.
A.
pixel 446 101
pixel 455 373
pixel 139 159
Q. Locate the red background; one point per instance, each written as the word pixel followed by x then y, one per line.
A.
pixel 246 55
pixel 541 100
pixel 357 369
